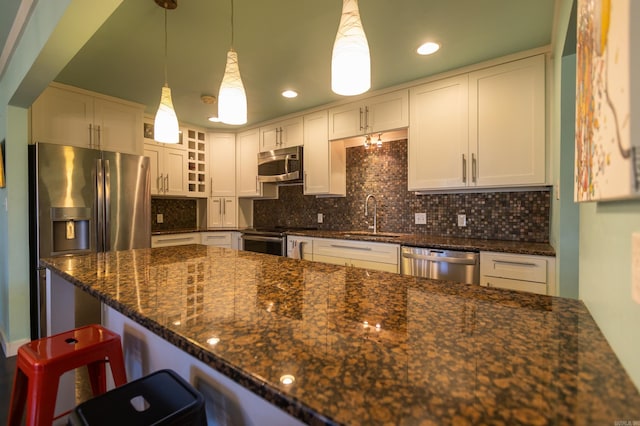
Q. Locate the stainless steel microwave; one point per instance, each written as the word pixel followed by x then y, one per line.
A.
pixel 280 165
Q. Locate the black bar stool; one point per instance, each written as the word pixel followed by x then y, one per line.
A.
pixel 162 398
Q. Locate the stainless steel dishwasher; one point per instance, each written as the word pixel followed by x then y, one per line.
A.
pixel 460 266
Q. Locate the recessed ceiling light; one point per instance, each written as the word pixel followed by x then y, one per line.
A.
pixel 214 119
pixel 428 48
pixel 289 93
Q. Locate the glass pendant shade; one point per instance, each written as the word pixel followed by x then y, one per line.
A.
pixel 165 127
pixel 232 99
pixel 350 62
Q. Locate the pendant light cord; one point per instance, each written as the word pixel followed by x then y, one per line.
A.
pixel 166 80
pixel 231 24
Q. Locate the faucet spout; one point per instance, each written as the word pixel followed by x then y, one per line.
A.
pixel 375 211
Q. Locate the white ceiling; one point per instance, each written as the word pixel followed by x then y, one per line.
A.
pixel 287 44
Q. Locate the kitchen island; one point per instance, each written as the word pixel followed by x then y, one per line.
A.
pixel 365 347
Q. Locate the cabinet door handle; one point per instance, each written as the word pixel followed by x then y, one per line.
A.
pixel 99 137
pixel 159 183
pixel 366 118
pixel 166 183
pixel 473 168
pixel 305 181
pixel 90 135
pixel 224 207
pixel 361 127
pixel 211 188
pixel 464 169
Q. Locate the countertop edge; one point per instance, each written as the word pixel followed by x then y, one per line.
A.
pixel 447 243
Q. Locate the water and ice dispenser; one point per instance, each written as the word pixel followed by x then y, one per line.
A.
pixel 71 229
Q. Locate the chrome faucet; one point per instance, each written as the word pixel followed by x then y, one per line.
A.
pixel 375 211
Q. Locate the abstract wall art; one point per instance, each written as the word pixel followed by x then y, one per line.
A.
pixel 607 158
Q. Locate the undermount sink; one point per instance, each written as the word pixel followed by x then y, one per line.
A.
pixel 369 234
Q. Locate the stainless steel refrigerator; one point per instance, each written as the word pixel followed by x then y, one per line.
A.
pixel 83 201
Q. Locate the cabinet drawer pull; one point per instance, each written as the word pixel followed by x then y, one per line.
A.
pixel 174 240
pixel 509 262
pixel 351 247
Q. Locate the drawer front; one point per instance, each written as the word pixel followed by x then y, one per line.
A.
pixel 512 266
pixel 531 287
pixel 216 238
pixel 175 239
pixel 374 252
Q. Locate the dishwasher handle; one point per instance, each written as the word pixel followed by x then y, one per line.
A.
pixel 455 260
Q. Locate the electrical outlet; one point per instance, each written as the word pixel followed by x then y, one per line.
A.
pixel 159 218
pixel 462 220
pixel 320 217
pixel 635 267
pixel 421 218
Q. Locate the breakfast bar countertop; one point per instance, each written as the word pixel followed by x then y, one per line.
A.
pixel 367 347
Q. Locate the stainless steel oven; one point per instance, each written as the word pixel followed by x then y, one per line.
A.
pixel 268 240
pixel 265 241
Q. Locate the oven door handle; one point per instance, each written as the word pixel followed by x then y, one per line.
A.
pixel 261 238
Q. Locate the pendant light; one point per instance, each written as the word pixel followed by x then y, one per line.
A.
pixel 165 126
pixel 232 99
pixel 350 62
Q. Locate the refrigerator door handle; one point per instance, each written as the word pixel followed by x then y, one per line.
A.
pixel 99 205
pixel 107 206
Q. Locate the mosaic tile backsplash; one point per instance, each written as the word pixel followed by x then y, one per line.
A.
pixel 515 216
pixel 178 213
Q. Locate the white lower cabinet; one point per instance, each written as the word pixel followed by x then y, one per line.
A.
pixel 361 254
pixel 534 274
pixel 167 240
pixel 218 239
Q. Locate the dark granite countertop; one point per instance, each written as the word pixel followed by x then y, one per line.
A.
pixel 443 353
pixel 450 243
pixel 189 230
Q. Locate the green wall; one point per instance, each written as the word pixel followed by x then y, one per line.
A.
pixel 605 276
pixel 52 35
pixel 605 231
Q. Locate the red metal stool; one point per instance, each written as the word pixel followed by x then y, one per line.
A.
pixel 42 362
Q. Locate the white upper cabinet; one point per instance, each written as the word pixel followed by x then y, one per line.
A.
pixel 247 147
pixel 66 115
pixel 439 134
pixel 222 164
pixel 483 129
pixel 324 161
pixel 282 134
pixel 376 114
pixel 247 185
pixel 222 212
pixel 507 123
pixel 168 169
